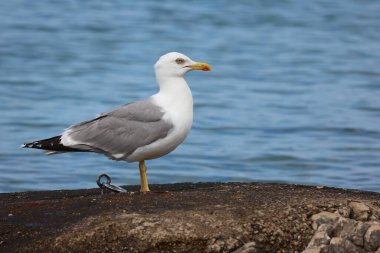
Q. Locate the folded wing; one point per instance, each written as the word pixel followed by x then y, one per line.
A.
pixel 119 132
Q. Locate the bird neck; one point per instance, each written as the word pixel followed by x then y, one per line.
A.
pixel 174 93
pixel 173 85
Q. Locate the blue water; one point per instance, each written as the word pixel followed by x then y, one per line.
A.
pixel 294 95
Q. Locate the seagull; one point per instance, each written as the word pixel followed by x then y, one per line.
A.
pixel 141 130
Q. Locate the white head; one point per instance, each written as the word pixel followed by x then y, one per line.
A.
pixel 174 65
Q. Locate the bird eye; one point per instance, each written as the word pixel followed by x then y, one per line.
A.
pixel 180 61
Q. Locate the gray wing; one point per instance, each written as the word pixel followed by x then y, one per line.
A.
pixel 121 131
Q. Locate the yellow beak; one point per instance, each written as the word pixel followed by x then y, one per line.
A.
pixel 201 66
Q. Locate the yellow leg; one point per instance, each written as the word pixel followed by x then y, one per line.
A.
pixel 143 178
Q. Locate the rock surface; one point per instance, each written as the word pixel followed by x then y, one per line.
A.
pixel 335 232
pixel 204 217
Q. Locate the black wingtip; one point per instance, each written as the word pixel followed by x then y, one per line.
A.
pixel 29 145
pixel 47 144
pixel 51 144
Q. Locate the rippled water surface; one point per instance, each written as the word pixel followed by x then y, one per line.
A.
pixel 294 95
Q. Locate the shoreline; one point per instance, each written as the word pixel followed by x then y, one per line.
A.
pixel 192 217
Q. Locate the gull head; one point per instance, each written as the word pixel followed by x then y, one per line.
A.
pixel 177 65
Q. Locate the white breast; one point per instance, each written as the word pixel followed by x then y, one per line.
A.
pixel 177 103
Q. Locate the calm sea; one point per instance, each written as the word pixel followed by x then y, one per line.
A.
pixel 294 95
